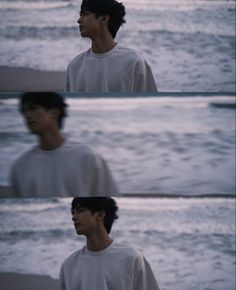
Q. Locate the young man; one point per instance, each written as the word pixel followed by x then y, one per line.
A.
pixel 55 167
pixel 106 66
pixel 103 264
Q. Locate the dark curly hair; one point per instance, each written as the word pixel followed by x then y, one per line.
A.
pixel 48 100
pixel 95 204
pixel 114 9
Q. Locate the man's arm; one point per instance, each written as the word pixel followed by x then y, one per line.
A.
pixel 67 82
pixel 62 280
pixel 102 182
pixel 98 180
pixel 143 77
pixel 143 276
pixel 13 182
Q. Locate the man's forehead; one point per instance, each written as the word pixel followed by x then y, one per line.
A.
pixel 29 104
pixel 84 10
pixel 78 206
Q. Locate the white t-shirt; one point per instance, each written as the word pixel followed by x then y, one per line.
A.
pixel 70 170
pixel 119 70
pixel 115 268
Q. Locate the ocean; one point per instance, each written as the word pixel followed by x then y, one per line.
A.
pixel 160 145
pixel 190 44
pixel 189 243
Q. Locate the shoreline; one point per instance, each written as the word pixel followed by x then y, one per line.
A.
pixel 27 79
pixel 16 281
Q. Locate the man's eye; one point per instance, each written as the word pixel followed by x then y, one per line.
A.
pixel 83 13
pixel 30 107
pixel 80 210
pixel 33 107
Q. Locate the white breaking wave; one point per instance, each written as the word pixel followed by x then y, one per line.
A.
pixel 41 5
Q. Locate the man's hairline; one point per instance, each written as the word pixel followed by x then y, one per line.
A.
pixel 95 13
pixel 79 207
pixel 30 103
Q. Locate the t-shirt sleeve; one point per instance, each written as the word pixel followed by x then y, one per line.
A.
pixel 13 181
pixel 62 279
pixel 67 80
pixel 143 77
pixel 101 181
pixel 143 276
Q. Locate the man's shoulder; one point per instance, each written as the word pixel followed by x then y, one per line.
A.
pixel 77 150
pixel 77 60
pixel 127 251
pixel 129 52
pixel 25 155
pixel 72 258
pixel 81 149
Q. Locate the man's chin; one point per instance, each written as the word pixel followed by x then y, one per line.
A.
pixel 33 128
pixel 79 232
pixel 34 131
pixel 83 34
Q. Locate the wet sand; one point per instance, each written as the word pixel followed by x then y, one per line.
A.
pixel 12 281
pixel 5 191
pixel 25 79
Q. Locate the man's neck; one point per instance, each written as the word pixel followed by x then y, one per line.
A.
pixel 51 141
pixel 103 44
pixel 98 243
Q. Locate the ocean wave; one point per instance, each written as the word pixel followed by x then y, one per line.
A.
pixel 225 105
pixel 39 204
pixel 32 32
pixel 33 5
pixel 12 136
pixel 51 234
pixel 164 36
pixel 184 148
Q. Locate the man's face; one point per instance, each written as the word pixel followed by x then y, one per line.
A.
pixel 84 221
pixel 38 119
pixel 89 24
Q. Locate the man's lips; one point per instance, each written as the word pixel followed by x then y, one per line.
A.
pixel 31 123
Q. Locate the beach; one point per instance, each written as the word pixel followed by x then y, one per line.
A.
pixel 15 281
pixel 189 242
pixel 5 191
pixel 170 145
pixel 27 79
pixel 190 45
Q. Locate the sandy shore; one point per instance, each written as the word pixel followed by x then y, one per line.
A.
pixel 5 191
pixel 12 281
pixel 25 79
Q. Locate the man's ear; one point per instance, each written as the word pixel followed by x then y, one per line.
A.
pixel 55 112
pixel 100 215
pixel 105 19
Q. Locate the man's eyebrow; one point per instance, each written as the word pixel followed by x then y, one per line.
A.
pixel 27 105
pixel 30 104
pixel 77 207
pixel 85 10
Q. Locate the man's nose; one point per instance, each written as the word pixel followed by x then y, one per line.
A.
pixel 79 20
pixel 27 113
